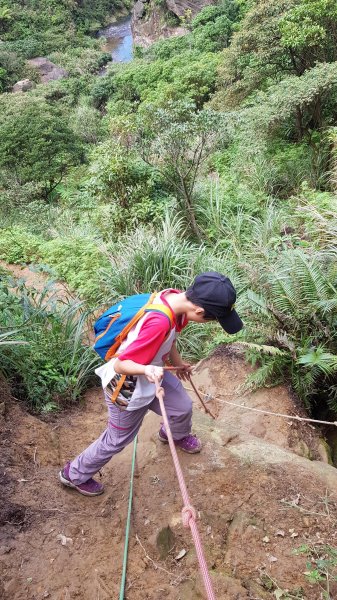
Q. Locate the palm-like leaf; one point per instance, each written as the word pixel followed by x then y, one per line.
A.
pixel 319 360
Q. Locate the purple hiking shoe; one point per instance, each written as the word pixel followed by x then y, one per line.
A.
pixel 189 443
pixel 89 488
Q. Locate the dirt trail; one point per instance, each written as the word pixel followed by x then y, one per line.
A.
pixel 261 485
pixel 258 498
pixel 37 280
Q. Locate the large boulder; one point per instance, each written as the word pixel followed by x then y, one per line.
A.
pixel 138 10
pixel 47 70
pixel 23 86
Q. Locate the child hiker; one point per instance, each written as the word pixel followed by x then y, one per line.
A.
pixel 141 357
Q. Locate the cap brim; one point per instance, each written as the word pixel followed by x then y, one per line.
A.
pixel 232 323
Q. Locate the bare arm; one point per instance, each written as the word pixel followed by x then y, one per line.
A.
pixel 129 367
pixel 175 356
pixel 177 361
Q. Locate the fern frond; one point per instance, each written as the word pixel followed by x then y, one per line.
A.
pixel 267 375
pixel 259 302
pixel 313 283
pixel 284 295
pixel 264 349
pixel 304 385
pixel 319 361
pixel 328 306
pixel 299 283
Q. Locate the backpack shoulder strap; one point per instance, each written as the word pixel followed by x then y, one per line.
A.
pixel 161 308
pixel 123 334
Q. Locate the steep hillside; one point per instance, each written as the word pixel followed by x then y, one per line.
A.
pixel 258 501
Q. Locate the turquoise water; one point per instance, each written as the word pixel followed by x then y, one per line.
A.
pixel 119 40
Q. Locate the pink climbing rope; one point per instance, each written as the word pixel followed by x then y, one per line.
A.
pixel 188 512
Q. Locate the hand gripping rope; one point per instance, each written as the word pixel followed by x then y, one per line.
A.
pixel 188 512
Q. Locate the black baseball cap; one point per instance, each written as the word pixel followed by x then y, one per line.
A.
pixel 216 294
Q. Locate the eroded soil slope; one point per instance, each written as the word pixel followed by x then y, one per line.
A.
pixel 258 494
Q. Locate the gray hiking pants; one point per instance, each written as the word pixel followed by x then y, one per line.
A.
pixel 124 425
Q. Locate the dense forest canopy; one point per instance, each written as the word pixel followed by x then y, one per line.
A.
pixel 216 149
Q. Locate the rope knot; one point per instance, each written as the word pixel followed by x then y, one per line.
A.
pixel 188 512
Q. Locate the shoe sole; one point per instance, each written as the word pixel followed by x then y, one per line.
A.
pixel 165 441
pixel 71 485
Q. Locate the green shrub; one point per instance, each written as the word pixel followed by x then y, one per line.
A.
pixel 78 61
pixel 293 308
pixel 36 142
pixel 18 246
pixel 291 164
pixel 152 260
pixel 78 262
pixel 56 364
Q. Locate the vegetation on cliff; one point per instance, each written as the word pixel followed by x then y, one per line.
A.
pixel 213 150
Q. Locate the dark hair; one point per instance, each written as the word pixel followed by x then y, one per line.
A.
pixel 206 316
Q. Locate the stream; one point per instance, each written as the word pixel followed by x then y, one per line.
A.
pixel 119 40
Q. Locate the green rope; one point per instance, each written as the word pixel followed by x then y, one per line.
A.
pixel 127 528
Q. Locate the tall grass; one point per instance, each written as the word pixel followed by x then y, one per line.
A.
pixel 56 363
pixel 148 260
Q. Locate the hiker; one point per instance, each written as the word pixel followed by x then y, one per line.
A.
pixel 128 380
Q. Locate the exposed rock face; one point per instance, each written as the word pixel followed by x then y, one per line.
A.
pixel 23 86
pixel 149 21
pixel 179 7
pixel 47 70
pixel 264 436
pixel 138 10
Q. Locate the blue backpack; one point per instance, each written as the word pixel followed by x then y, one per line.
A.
pixel 114 324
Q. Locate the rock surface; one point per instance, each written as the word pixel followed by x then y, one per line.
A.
pixel 180 7
pixel 47 70
pixel 149 20
pixel 23 86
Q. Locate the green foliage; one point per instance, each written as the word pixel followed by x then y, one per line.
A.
pixel 321 566
pixel 5 339
pixel 119 175
pixel 86 123
pixel 193 341
pixel 36 142
pixel 155 259
pixel 293 305
pixel 309 29
pixel 43 26
pixel 211 30
pixel 160 80
pixel 176 141
pixel 184 67
pixel 304 98
pixel 5 16
pixel 18 246
pixel 275 38
pixel 12 68
pixel 78 261
pixel 55 365
pixel 211 13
